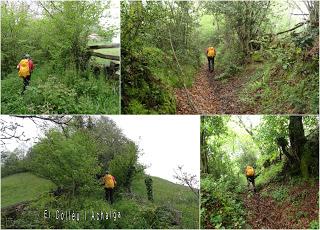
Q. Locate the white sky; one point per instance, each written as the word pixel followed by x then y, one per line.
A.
pixel 166 140
pixel 249 120
pixel 114 12
pixel 30 130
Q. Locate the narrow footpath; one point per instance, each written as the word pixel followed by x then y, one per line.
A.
pixel 211 96
pixel 293 212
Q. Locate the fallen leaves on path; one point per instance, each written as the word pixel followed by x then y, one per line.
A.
pixel 211 96
pixel 264 213
pixel 201 94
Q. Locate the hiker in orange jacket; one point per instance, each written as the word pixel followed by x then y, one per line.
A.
pixel 25 68
pixel 250 174
pixel 211 53
pixel 109 184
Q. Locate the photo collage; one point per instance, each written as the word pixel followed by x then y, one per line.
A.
pixel 159 114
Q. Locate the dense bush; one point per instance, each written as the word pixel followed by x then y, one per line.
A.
pixel 63 93
pixel 69 162
pixel 288 79
pixel 221 206
pixel 142 92
pixel 149 69
pixel 61 81
pixel 123 165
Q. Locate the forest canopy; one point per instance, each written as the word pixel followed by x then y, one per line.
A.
pixel 284 152
pixel 266 58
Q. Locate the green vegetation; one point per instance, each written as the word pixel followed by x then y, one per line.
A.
pixel 172 195
pixel 67 93
pixel 69 161
pixel 273 145
pixel 279 194
pixel 314 224
pixel 158 54
pixel 221 206
pixel 271 55
pixel 279 70
pixel 23 187
pixel 137 211
pixel 62 81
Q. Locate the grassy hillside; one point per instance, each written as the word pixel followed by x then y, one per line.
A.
pixel 136 211
pixel 168 193
pixel 22 187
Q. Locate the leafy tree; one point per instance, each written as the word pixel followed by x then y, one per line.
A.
pixel 56 35
pixel 213 130
pixel 68 26
pixel 12 162
pixel 247 19
pixel 124 165
pixel 71 163
pixel 154 64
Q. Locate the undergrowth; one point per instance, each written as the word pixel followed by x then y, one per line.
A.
pixel 270 174
pixel 288 80
pixel 221 204
pixel 149 77
pixel 54 92
pixel 129 211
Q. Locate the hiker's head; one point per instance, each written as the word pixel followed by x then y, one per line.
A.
pixel 107 172
pixel 26 56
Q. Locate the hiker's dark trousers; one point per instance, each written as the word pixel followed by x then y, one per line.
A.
pixel 211 63
pixel 26 82
pixel 109 194
pixel 251 179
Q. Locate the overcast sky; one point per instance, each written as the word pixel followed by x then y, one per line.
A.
pixel 114 12
pixel 167 141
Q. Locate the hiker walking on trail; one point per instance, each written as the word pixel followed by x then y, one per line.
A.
pixel 148 182
pixel 25 68
pixel 109 185
pixel 211 53
pixel 250 174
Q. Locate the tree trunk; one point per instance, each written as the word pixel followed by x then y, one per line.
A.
pixel 297 142
pixel 283 146
pixel 204 154
pixel 296 136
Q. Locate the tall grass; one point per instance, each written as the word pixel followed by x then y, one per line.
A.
pixel 65 92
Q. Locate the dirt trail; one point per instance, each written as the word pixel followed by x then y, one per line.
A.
pixel 295 212
pixel 211 96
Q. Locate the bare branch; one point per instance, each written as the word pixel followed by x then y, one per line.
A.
pixel 9 130
pixel 187 179
pixel 295 27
